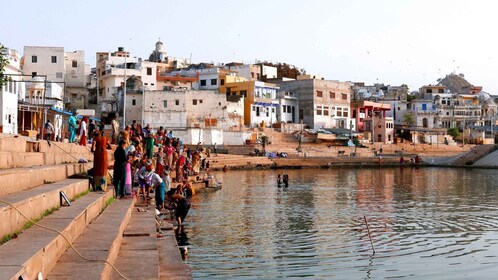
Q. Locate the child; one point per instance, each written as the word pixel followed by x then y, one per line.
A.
pixel 160 156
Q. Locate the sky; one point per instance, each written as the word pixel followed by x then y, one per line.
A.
pixel 392 42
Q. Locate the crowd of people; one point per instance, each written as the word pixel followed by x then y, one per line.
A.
pixel 146 162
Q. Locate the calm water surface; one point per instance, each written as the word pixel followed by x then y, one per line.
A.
pixel 425 224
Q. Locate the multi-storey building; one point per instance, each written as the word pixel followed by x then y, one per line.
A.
pixel 77 80
pixel 13 91
pixel 260 101
pixel 322 103
pixel 111 72
pixel 371 118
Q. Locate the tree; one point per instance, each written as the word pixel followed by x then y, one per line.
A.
pixel 453 132
pixel 286 70
pixel 408 119
pixel 3 62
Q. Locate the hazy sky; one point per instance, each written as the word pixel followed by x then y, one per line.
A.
pixel 394 42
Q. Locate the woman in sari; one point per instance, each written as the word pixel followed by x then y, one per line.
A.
pixel 83 131
pixel 99 149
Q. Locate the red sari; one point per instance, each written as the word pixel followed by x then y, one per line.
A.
pixel 100 162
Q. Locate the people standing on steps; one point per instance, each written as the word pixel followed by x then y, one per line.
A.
pixel 83 131
pixel 128 170
pixel 119 176
pixel 72 127
pixel 49 130
pixel 157 183
pixel 91 129
pixel 114 130
pixel 99 149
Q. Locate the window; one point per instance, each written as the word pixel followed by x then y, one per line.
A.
pixel 152 84
pixel 219 103
pixel 203 83
pixel 319 110
pixel 200 101
pixel 257 111
pixel 344 96
pixel 54 59
pixel 428 90
pixel 252 75
pixel 243 93
pixel 33 74
pixel 332 95
pixel 345 112
pixel 257 76
pixel 34 59
pixel 75 64
pixel 177 102
pixel 443 102
pixel 440 90
pixel 58 75
pixel 133 102
pixel 273 110
pixel 222 81
pixel 149 71
pixel 214 82
pixel 194 102
pixel 326 111
pixel 165 103
pixel 285 109
pixel 319 93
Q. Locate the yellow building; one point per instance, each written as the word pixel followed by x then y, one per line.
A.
pixel 260 99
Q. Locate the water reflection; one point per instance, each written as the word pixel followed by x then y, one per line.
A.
pixel 432 223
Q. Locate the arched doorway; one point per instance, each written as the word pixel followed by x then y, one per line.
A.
pixel 425 122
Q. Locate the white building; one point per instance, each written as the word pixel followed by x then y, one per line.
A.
pixel 77 79
pixel 288 110
pixel 111 71
pixel 13 91
pixel 183 109
pixel 45 61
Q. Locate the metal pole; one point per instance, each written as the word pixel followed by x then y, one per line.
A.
pixel 143 105
pixel 44 115
pixel 124 96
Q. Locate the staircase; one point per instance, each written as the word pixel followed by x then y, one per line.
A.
pixel 33 175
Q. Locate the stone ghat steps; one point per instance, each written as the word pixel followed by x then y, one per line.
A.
pixel 139 242
pixel 34 202
pixel 235 161
pixel 327 161
pixel 24 178
pixel 474 154
pixel 101 240
pixel 37 250
pixel 22 152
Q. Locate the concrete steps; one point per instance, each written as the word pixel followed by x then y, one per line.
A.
pixel 100 240
pixel 34 202
pixel 23 152
pixel 19 179
pixel 237 161
pixel 139 243
pixel 37 250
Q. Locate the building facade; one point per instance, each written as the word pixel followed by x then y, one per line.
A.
pixel 13 91
pixel 322 103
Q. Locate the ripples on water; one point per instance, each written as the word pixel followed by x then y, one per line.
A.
pixel 425 223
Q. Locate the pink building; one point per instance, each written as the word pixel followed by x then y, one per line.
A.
pixel 370 118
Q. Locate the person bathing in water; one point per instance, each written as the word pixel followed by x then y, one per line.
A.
pixel 286 180
pixel 279 180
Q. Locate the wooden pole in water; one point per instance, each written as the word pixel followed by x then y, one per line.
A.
pixel 369 236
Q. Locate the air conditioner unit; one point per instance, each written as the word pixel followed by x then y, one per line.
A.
pixel 68 100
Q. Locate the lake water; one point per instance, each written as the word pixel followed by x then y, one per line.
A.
pixel 427 223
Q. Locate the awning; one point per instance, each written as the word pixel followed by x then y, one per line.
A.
pixel 265 104
pixel 55 109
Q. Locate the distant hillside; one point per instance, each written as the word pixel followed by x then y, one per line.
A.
pixel 455 83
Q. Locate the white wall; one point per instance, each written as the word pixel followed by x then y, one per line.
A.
pixel 235 137
pixel 55 72
pixel 12 91
pixel 75 76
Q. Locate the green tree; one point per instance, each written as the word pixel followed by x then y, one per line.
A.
pixel 453 132
pixel 286 70
pixel 3 62
pixel 408 119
